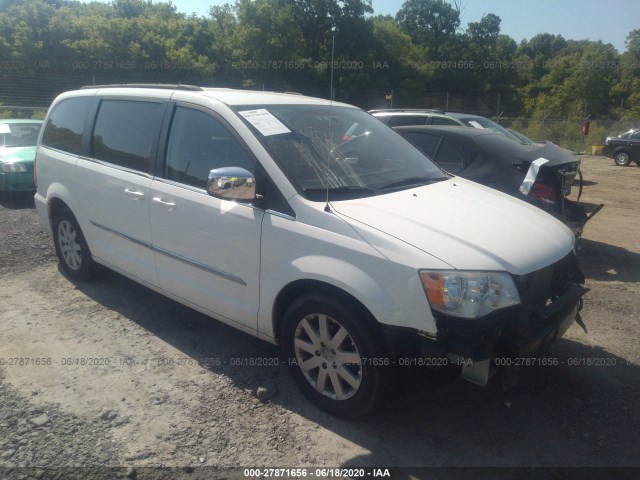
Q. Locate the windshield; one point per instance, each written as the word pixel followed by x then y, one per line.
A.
pixel 481 122
pixel 342 148
pixel 19 134
pixel 627 134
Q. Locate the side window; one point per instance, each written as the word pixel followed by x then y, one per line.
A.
pixel 426 143
pixel 444 121
pixel 449 157
pixel 198 143
pixel 635 136
pixel 406 120
pixel 126 132
pixel 65 125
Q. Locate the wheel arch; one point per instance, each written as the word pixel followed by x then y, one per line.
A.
pixel 297 288
pixel 57 198
pixel 622 148
pixel 54 205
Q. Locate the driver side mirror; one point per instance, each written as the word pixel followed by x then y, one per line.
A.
pixel 232 183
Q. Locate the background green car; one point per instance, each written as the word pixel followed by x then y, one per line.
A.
pixel 18 139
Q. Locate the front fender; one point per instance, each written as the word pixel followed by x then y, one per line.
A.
pixel 401 303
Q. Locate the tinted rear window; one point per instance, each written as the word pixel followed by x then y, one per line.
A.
pixel 426 142
pixel 126 133
pixel 407 120
pixel 65 125
pixel 443 121
pixel 19 134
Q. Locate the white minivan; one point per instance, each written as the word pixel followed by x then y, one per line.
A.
pixel 356 254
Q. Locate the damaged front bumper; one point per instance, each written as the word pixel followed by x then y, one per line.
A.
pixel 551 302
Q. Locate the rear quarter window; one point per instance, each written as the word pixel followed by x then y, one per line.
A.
pixel 450 158
pixel 65 125
pixel 426 142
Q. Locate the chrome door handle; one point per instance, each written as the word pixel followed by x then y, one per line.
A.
pixel 169 205
pixel 134 193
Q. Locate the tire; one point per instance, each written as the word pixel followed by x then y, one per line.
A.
pixel 319 335
pixel 71 247
pixel 622 159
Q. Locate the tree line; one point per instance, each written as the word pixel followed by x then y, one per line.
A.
pixel 415 59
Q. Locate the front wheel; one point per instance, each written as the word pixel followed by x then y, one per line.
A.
pixel 336 355
pixel 71 247
pixel 622 159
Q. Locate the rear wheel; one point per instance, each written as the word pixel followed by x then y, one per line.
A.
pixel 335 355
pixel 71 247
pixel 622 159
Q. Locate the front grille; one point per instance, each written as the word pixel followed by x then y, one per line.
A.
pixel 540 292
pixel 537 288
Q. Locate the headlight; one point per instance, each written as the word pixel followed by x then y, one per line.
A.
pixel 12 168
pixel 469 294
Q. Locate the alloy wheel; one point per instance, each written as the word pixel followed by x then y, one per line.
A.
pixel 622 159
pixel 70 248
pixel 328 356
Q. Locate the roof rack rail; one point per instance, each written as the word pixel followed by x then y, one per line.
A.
pixel 168 86
pixel 431 110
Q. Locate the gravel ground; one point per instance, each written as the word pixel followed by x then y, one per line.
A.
pixel 108 379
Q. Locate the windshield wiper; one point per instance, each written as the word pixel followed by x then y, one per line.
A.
pixel 410 182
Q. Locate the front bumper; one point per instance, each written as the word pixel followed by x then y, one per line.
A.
pixel 551 323
pixel 607 150
pixel 517 333
pixel 16 182
pixel 551 302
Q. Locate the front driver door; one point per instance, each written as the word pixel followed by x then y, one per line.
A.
pixel 207 250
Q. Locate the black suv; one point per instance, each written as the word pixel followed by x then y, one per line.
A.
pixel 624 148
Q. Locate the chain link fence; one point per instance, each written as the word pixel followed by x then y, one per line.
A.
pixel 503 109
pixel 568 133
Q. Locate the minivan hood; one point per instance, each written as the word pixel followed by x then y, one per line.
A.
pixel 466 225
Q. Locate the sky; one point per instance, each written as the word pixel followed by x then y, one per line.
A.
pixel 609 21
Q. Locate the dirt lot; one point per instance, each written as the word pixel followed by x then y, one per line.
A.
pixel 111 374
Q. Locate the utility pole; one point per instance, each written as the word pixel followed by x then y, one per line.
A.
pixel 542 127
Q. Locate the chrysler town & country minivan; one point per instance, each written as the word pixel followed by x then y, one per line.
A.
pixel 351 254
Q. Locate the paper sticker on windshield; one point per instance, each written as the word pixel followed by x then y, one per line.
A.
pixel 4 128
pixel 473 123
pixel 265 122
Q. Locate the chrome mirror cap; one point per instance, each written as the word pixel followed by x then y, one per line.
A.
pixel 231 183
